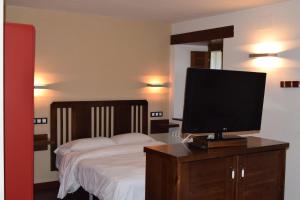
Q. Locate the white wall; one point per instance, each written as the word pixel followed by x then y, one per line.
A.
pixel 90 57
pixel 181 55
pixel 278 25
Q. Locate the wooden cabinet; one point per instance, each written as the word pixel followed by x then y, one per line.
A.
pixel 261 176
pixel 175 172
pixel 210 179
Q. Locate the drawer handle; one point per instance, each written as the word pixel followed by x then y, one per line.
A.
pixel 233 174
pixel 243 173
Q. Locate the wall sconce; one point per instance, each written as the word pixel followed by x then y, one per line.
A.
pixel 259 55
pixel 40 90
pixel 158 85
pixel 40 87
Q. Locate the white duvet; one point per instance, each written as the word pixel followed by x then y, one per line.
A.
pixel 110 173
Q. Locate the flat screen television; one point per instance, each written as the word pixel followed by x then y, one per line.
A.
pixel 218 101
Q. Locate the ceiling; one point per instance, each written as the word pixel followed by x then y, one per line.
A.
pixel 157 10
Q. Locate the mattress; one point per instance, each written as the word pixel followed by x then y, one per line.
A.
pixel 110 173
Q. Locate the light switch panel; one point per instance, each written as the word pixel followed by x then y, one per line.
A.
pixel 43 120
pixel 156 114
pixel 38 120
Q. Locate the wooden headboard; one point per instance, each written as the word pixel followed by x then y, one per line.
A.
pixel 71 120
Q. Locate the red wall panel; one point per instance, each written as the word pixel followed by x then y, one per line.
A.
pixel 19 45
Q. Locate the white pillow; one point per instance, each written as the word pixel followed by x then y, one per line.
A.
pixel 85 144
pixel 132 138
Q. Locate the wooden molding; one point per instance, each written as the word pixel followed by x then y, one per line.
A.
pixel 216 45
pixel 204 35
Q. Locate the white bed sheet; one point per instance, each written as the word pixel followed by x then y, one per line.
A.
pixel 110 173
pixel 120 177
pixel 59 157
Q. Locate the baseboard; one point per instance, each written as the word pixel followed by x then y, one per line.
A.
pixel 46 185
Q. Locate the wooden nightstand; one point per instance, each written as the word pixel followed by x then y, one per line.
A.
pixel 41 142
pixel 162 126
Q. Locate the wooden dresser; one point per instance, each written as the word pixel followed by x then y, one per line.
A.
pixel 253 172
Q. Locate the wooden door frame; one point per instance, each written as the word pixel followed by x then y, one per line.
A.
pixel 203 35
pixel 208 35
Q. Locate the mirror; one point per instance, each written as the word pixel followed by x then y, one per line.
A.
pixel 203 55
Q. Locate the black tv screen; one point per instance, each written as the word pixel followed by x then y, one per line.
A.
pixel 219 101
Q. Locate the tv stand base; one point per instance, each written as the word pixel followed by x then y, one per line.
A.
pixel 203 142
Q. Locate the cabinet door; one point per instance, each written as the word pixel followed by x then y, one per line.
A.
pixel 261 176
pixel 212 179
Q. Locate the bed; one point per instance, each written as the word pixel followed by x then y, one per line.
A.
pixel 111 172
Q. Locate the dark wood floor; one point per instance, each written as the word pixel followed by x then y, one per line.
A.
pixel 47 194
pixel 51 194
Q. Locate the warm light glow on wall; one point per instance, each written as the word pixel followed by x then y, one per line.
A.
pixel 159 80
pixel 46 84
pixel 155 86
pixel 39 83
pixel 270 47
pixel 38 80
pixel 39 92
pixel 267 63
pixel 155 89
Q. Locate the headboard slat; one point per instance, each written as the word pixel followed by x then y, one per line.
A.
pixel 70 124
pixel 139 118
pixel 67 124
pixel 101 121
pixel 71 120
pixel 61 126
pixel 92 122
pixel 134 119
pixel 112 120
pixel 98 125
pixel 58 125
